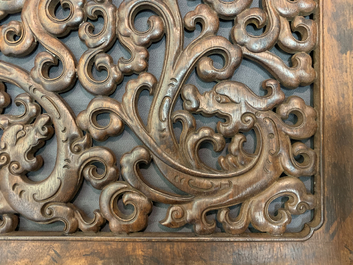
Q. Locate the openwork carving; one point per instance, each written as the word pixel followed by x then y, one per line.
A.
pixel 252 180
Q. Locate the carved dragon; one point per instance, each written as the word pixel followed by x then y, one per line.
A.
pixel 254 180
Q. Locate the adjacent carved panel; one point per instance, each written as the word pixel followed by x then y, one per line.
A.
pixel 253 180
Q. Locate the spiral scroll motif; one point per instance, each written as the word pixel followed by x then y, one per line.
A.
pixel 250 180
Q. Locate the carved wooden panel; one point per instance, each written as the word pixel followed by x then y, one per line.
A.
pixel 250 180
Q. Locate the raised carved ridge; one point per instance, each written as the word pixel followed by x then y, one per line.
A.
pixel 252 180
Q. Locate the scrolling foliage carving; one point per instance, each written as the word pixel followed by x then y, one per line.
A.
pixel 252 180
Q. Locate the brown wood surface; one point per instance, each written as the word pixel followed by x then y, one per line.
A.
pixel 331 244
pixel 253 179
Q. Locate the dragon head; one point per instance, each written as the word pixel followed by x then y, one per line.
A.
pixel 20 142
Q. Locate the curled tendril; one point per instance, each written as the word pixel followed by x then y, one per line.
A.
pixel 137 42
pixel 176 217
pixel 145 81
pixel 238 225
pixel 306 115
pixel 4 158
pixel 98 44
pixel 81 144
pixel 126 111
pixel 203 46
pixel 9 223
pixel 294 168
pixel 37 15
pixel 31 111
pixel 193 142
pixel 61 27
pixel 236 157
pixel 107 35
pixel 299 202
pixel 16 39
pixel 89 171
pixel 260 19
pixel 130 172
pixel 89 155
pixel 301 73
pixel 16 168
pixel 255 210
pixel 118 221
pixel 72 217
pixel 40 72
pixel 206 17
pixel 308 31
pixel 86 120
pixel 61 212
pixel 189 124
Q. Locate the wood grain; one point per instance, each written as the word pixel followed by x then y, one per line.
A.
pixel 250 180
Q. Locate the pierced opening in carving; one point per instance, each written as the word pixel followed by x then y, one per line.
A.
pixel 61 12
pixel 141 20
pixel 198 121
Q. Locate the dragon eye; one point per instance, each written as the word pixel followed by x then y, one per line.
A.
pixel 222 99
pixel 21 134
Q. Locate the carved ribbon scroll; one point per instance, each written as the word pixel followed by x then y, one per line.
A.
pixel 252 180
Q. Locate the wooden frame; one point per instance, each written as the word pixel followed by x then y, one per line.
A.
pixel 328 245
